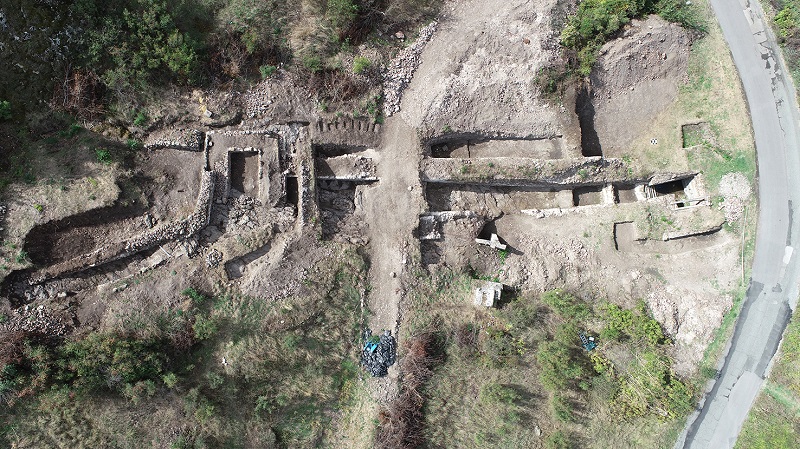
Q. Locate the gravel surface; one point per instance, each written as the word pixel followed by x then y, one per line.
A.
pixel 735 188
pixel 401 69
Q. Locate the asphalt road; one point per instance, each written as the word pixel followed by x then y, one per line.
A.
pixel 773 286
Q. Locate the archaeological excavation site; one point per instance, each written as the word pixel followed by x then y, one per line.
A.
pixel 284 270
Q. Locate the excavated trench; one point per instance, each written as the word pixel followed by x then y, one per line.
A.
pixel 497 200
pixel 590 142
pixel 332 150
pixel 62 240
pixel 625 193
pixel 338 201
pixel 587 196
pixel 493 199
pixel 476 147
pixel 17 288
pixel 244 172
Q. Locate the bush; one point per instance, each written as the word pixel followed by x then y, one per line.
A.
pixel 361 64
pixel 650 386
pixel 196 297
pixel 597 20
pixel 562 360
pixel 313 63
pixel 566 305
pixel 500 348
pixel 687 14
pixel 109 361
pixel 562 408
pixel 634 324
pixel 103 155
pixel 170 380
pixel 557 440
pixel 341 13
pixel 787 21
pixel 494 393
pixel 521 313
pixel 141 119
pixel 5 110
pixel 131 43
pixel 267 71
pixel 204 328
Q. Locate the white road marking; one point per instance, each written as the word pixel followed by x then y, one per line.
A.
pixel 787 255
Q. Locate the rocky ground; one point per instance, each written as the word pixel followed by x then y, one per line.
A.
pixel 471 73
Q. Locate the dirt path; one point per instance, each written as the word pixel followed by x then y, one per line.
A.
pixel 392 211
pixel 452 94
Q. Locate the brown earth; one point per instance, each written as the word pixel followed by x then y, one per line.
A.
pixel 477 77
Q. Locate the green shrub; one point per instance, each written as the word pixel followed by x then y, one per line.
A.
pixel 130 43
pixel 267 71
pixel 214 380
pixel 562 408
pixel 787 21
pixel 109 361
pixel 563 361
pixel 21 257
pixel 651 387
pixel 687 14
pixel 566 305
pixel 521 313
pixel 196 297
pixel 139 390
pixel 557 440
pixel 204 328
pixel 5 110
pixel 361 64
pixel 133 144
pixel 634 324
pixel 494 393
pixel 141 119
pixel 341 13
pixel 103 155
pixel 500 348
pixel 170 380
pixel 596 21
pixel 313 63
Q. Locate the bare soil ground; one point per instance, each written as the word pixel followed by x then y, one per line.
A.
pixel 639 224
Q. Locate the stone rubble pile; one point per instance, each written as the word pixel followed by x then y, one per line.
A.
pixel 735 188
pixel 398 75
pixel 257 101
pixel 3 211
pixel 191 140
pixel 213 258
pixel 378 359
pixel 242 215
pixel 38 319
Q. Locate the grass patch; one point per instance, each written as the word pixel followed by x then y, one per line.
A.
pixel 518 376
pixel 774 420
pixel 218 370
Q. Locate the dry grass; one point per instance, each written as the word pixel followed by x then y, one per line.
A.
pixel 274 374
pixel 774 420
pixel 712 94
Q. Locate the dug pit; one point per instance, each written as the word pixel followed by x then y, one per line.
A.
pixel 62 240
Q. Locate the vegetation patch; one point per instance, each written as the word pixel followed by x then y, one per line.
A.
pixel 218 371
pixel 519 376
pixel 596 21
pixel 774 419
